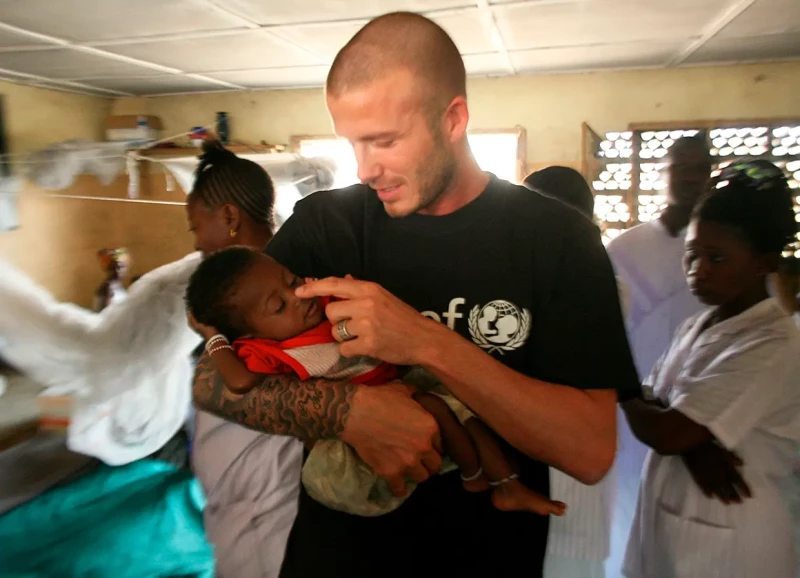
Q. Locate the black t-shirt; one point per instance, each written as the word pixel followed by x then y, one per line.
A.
pixel 524 277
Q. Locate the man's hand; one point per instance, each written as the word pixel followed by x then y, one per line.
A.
pixel 716 471
pixel 382 325
pixel 394 435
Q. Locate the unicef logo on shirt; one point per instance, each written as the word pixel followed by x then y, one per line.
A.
pixel 499 326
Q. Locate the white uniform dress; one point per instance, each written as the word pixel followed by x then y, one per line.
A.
pixel 252 482
pixel 739 379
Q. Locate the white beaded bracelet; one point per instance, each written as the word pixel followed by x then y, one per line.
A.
pixel 213 350
pixel 216 339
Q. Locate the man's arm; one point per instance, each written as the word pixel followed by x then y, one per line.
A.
pixel 571 429
pixel 565 416
pixel 278 404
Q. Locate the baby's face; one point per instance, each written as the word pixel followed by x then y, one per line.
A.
pixel 265 295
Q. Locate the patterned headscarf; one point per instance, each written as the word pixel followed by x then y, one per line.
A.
pixel 111 255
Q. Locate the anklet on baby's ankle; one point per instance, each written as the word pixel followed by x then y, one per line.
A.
pixel 510 478
pixel 473 477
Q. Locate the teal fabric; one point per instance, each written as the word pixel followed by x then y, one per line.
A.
pixel 141 520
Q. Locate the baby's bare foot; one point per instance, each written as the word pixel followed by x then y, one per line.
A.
pixel 513 496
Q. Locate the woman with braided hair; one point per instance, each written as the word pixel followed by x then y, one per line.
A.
pixel 231 202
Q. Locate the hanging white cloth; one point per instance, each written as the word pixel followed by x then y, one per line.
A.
pixel 57 166
pixel 128 368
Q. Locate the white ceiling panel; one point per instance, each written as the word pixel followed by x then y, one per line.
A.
pixel 464 26
pixel 163 84
pixel 253 49
pixel 64 63
pixel 301 76
pixel 323 39
pixel 540 25
pixel 772 47
pixel 82 20
pixel 486 64
pixel 632 55
pixel 538 1
pixel 288 12
pixel 467 31
pixel 765 17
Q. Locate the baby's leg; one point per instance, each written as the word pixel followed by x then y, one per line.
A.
pixel 509 493
pixel 457 442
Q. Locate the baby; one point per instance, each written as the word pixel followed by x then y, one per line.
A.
pixel 243 303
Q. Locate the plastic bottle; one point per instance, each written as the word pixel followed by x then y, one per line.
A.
pixel 222 127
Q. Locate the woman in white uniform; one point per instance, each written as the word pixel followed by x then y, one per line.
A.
pixel 729 378
pixel 251 479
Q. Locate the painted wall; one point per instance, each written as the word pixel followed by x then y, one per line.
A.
pixel 58 238
pixel 36 117
pixel 551 107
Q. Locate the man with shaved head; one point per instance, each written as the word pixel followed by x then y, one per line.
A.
pixel 506 297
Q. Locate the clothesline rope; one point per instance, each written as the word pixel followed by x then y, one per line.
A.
pixel 91 198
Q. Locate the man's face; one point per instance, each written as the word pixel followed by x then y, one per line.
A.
pixel 400 155
pixel 688 173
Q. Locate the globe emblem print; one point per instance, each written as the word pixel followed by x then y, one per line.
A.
pixel 499 326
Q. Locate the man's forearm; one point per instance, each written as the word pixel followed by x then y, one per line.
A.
pixel 279 404
pixel 570 429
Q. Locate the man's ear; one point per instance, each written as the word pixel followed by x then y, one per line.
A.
pixel 456 119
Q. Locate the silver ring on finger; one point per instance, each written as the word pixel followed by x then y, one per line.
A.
pixel 341 329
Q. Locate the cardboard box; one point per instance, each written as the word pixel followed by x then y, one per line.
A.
pixel 131 127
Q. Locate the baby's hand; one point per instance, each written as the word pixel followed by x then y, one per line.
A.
pixel 206 331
